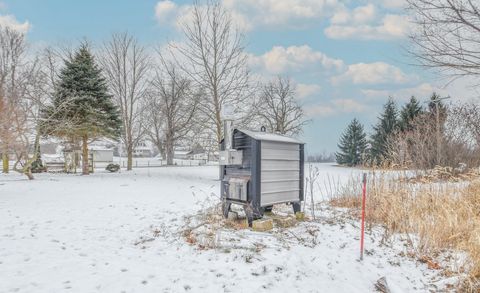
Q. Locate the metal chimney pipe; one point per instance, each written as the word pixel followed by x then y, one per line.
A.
pixel 228 133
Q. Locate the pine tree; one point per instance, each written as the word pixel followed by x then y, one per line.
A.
pixel 82 109
pixel 387 124
pixel 408 114
pixel 353 144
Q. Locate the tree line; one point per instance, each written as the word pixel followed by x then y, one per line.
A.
pixel 419 135
pixel 121 89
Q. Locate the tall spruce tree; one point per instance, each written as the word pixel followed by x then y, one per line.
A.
pixel 409 112
pixel 81 107
pixel 353 145
pixel 387 124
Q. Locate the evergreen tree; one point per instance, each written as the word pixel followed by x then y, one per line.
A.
pixel 353 144
pixel 82 109
pixel 408 114
pixel 387 124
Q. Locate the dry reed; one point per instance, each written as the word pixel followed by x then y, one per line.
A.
pixel 443 216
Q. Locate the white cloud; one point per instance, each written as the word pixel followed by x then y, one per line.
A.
pixel 335 107
pixel 248 14
pixel 349 106
pixel 319 111
pixel 361 23
pixel 166 11
pixel 293 59
pixel 394 4
pixel 276 13
pixel 307 90
pixel 372 73
pixel 420 91
pixel 11 22
pixel 392 26
pixel 358 15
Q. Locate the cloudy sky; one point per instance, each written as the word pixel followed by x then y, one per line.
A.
pixel 345 57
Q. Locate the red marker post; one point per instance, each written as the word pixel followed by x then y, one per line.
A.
pixel 364 197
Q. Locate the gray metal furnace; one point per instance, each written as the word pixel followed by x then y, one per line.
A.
pixel 259 170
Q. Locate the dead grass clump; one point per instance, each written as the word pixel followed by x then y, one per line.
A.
pixel 443 216
pixel 442 174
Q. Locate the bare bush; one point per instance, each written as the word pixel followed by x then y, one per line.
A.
pixel 423 147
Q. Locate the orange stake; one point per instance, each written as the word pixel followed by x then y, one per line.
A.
pixel 364 195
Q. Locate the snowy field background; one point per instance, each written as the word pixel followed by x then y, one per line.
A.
pixel 73 233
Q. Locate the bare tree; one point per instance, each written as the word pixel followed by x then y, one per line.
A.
pixel 12 54
pixel 23 89
pixel 213 58
pixel 464 123
pixel 126 65
pixel 155 124
pixel 175 101
pixel 447 35
pixel 278 108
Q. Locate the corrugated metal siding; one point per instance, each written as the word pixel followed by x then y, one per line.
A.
pixel 280 175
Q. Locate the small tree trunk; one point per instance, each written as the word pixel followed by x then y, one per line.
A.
pixel 169 152
pixel 5 162
pixel 29 174
pixel 129 158
pixel 85 168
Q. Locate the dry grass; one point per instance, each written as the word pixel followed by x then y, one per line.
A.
pixel 443 216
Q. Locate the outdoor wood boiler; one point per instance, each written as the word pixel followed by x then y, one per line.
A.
pixel 259 170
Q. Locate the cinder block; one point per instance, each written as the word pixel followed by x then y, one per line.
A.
pixel 285 222
pixel 262 225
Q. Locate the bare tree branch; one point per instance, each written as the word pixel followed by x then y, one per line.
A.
pixel 447 36
pixel 175 101
pixel 279 109
pixel 126 65
pixel 213 58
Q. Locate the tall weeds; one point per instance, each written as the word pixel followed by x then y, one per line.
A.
pixel 443 216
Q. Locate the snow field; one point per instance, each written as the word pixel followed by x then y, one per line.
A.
pixel 122 233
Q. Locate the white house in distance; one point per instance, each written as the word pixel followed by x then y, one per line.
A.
pixel 143 149
pixel 181 154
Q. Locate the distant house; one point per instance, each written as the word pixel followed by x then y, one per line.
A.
pixel 181 154
pixel 143 149
pixel 197 155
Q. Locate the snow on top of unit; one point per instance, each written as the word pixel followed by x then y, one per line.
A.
pixel 260 135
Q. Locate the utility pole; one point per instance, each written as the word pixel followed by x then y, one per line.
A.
pixel 436 101
pixel 439 142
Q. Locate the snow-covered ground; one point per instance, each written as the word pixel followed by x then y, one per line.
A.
pixel 122 233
